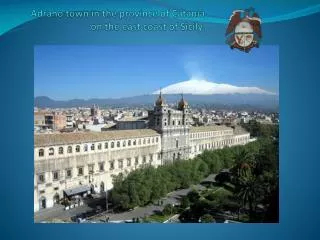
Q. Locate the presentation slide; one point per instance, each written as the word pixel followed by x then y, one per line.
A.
pixel 159 119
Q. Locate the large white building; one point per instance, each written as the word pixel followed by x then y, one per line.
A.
pixel 68 164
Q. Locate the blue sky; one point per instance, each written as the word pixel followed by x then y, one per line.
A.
pixel 84 71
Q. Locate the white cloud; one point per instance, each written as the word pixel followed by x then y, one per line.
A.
pixel 204 87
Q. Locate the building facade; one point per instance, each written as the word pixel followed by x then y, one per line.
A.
pixel 85 162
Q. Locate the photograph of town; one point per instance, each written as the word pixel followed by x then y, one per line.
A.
pixel 156 134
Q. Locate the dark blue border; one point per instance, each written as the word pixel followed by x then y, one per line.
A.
pixel 299 154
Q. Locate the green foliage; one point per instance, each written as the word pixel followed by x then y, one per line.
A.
pixel 148 184
pixel 168 210
pixel 207 218
pixel 185 202
pixel 193 196
pixel 257 129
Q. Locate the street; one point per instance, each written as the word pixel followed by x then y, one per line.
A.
pixel 139 212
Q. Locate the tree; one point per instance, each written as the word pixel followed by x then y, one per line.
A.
pixel 207 218
pixel 242 160
pixel 223 177
pixel 184 202
pixel 193 196
pixel 247 191
pixel 168 209
pixel 120 201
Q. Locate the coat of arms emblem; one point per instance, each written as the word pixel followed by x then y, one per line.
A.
pixel 244 30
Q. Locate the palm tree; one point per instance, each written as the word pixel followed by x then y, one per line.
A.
pixel 247 191
pixel 242 162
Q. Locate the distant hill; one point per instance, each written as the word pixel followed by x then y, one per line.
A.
pixel 225 101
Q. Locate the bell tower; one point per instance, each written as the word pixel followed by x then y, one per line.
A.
pixel 173 125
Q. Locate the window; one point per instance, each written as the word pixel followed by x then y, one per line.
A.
pixel 101 167
pixel 152 140
pixel 120 163
pixel 144 141
pixel 139 142
pixel 91 168
pixel 177 143
pixel 77 148
pixel 144 160
pixel 69 150
pixel 55 176
pixel 80 171
pixel 112 144
pixel 124 143
pixel 157 139
pixel 179 123
pixel 85 148
pixel 136 161
pixel 60 150
pixel 41 152
pixel 118 144
pixel 173 122
pixel 134 142
pixel 151 158
pixel 105 145
pixel 41 178
pixel 129 142
pixel 111 165
pixel 148 140
pixel 51 151
pixel 174 156
pixel 92 147
pixel 129 162
pixel 68 173
pixel 159 156
pixel 99 146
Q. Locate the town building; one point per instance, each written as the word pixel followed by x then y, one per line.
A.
pixel 68 164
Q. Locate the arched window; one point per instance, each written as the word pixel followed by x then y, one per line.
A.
pixel 118 144
pixel 129 142
pixel 69 149
pixel 85 148
pixel 77 148
pixel 124 143
pixel 173 122
pixel 41 152
pixel 60 150
pixel 92 147
pixel 134 142
pixel 112 144
pixel 51 151
pixel 99 146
